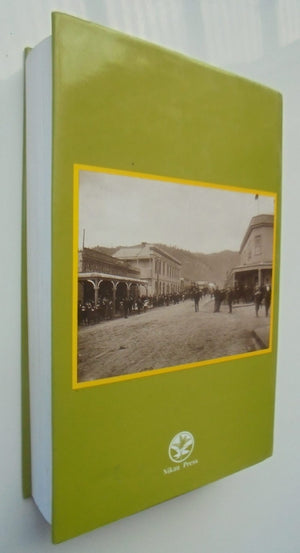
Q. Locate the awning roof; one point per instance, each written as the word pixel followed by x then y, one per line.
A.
pixel 105 276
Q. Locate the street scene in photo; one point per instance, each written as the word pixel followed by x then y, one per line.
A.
pixel 170 274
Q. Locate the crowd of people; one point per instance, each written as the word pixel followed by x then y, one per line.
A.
pixel 258 295
pixel 89 313
pixel 262 295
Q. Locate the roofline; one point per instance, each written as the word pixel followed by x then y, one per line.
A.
pixel 86 276
pixel 253 225
pixel 153 248
pixel 159 250
pixel 105 256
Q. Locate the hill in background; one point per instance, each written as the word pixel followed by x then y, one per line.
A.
pixel 211 267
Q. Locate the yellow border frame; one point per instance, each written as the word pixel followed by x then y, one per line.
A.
pixel 79 167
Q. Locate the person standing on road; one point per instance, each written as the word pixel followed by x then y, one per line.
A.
pixel 125 307
pixel 218 300
pixel 140 304
pixel 267 297
pixel 229 296
pixel 257 298
pixel 196 300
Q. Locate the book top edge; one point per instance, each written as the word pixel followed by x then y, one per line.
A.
pixel 60 21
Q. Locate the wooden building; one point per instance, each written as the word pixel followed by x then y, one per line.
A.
pixel 161 270
pixel 103 276
pixel 256 254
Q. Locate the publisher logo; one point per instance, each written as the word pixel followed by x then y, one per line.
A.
pixel 181 447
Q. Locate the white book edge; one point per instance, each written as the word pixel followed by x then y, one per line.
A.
pixel 38 90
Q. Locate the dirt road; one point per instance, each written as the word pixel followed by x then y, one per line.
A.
pixel 164 337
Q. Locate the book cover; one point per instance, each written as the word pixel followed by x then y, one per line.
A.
pixel 147 142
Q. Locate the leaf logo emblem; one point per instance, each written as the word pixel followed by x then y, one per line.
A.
pixel 181 446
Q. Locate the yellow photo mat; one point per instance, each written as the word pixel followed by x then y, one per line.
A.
pixel 147 373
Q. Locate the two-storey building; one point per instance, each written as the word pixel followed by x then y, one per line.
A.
pixel 161 270
pixel 256 254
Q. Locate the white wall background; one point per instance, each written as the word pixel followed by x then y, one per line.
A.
pixel 256 510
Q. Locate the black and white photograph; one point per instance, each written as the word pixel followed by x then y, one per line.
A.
pixel 170 274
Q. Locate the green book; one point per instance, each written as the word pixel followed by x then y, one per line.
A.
pixel 153 232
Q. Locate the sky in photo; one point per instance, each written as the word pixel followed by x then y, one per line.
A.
pixel 117 210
